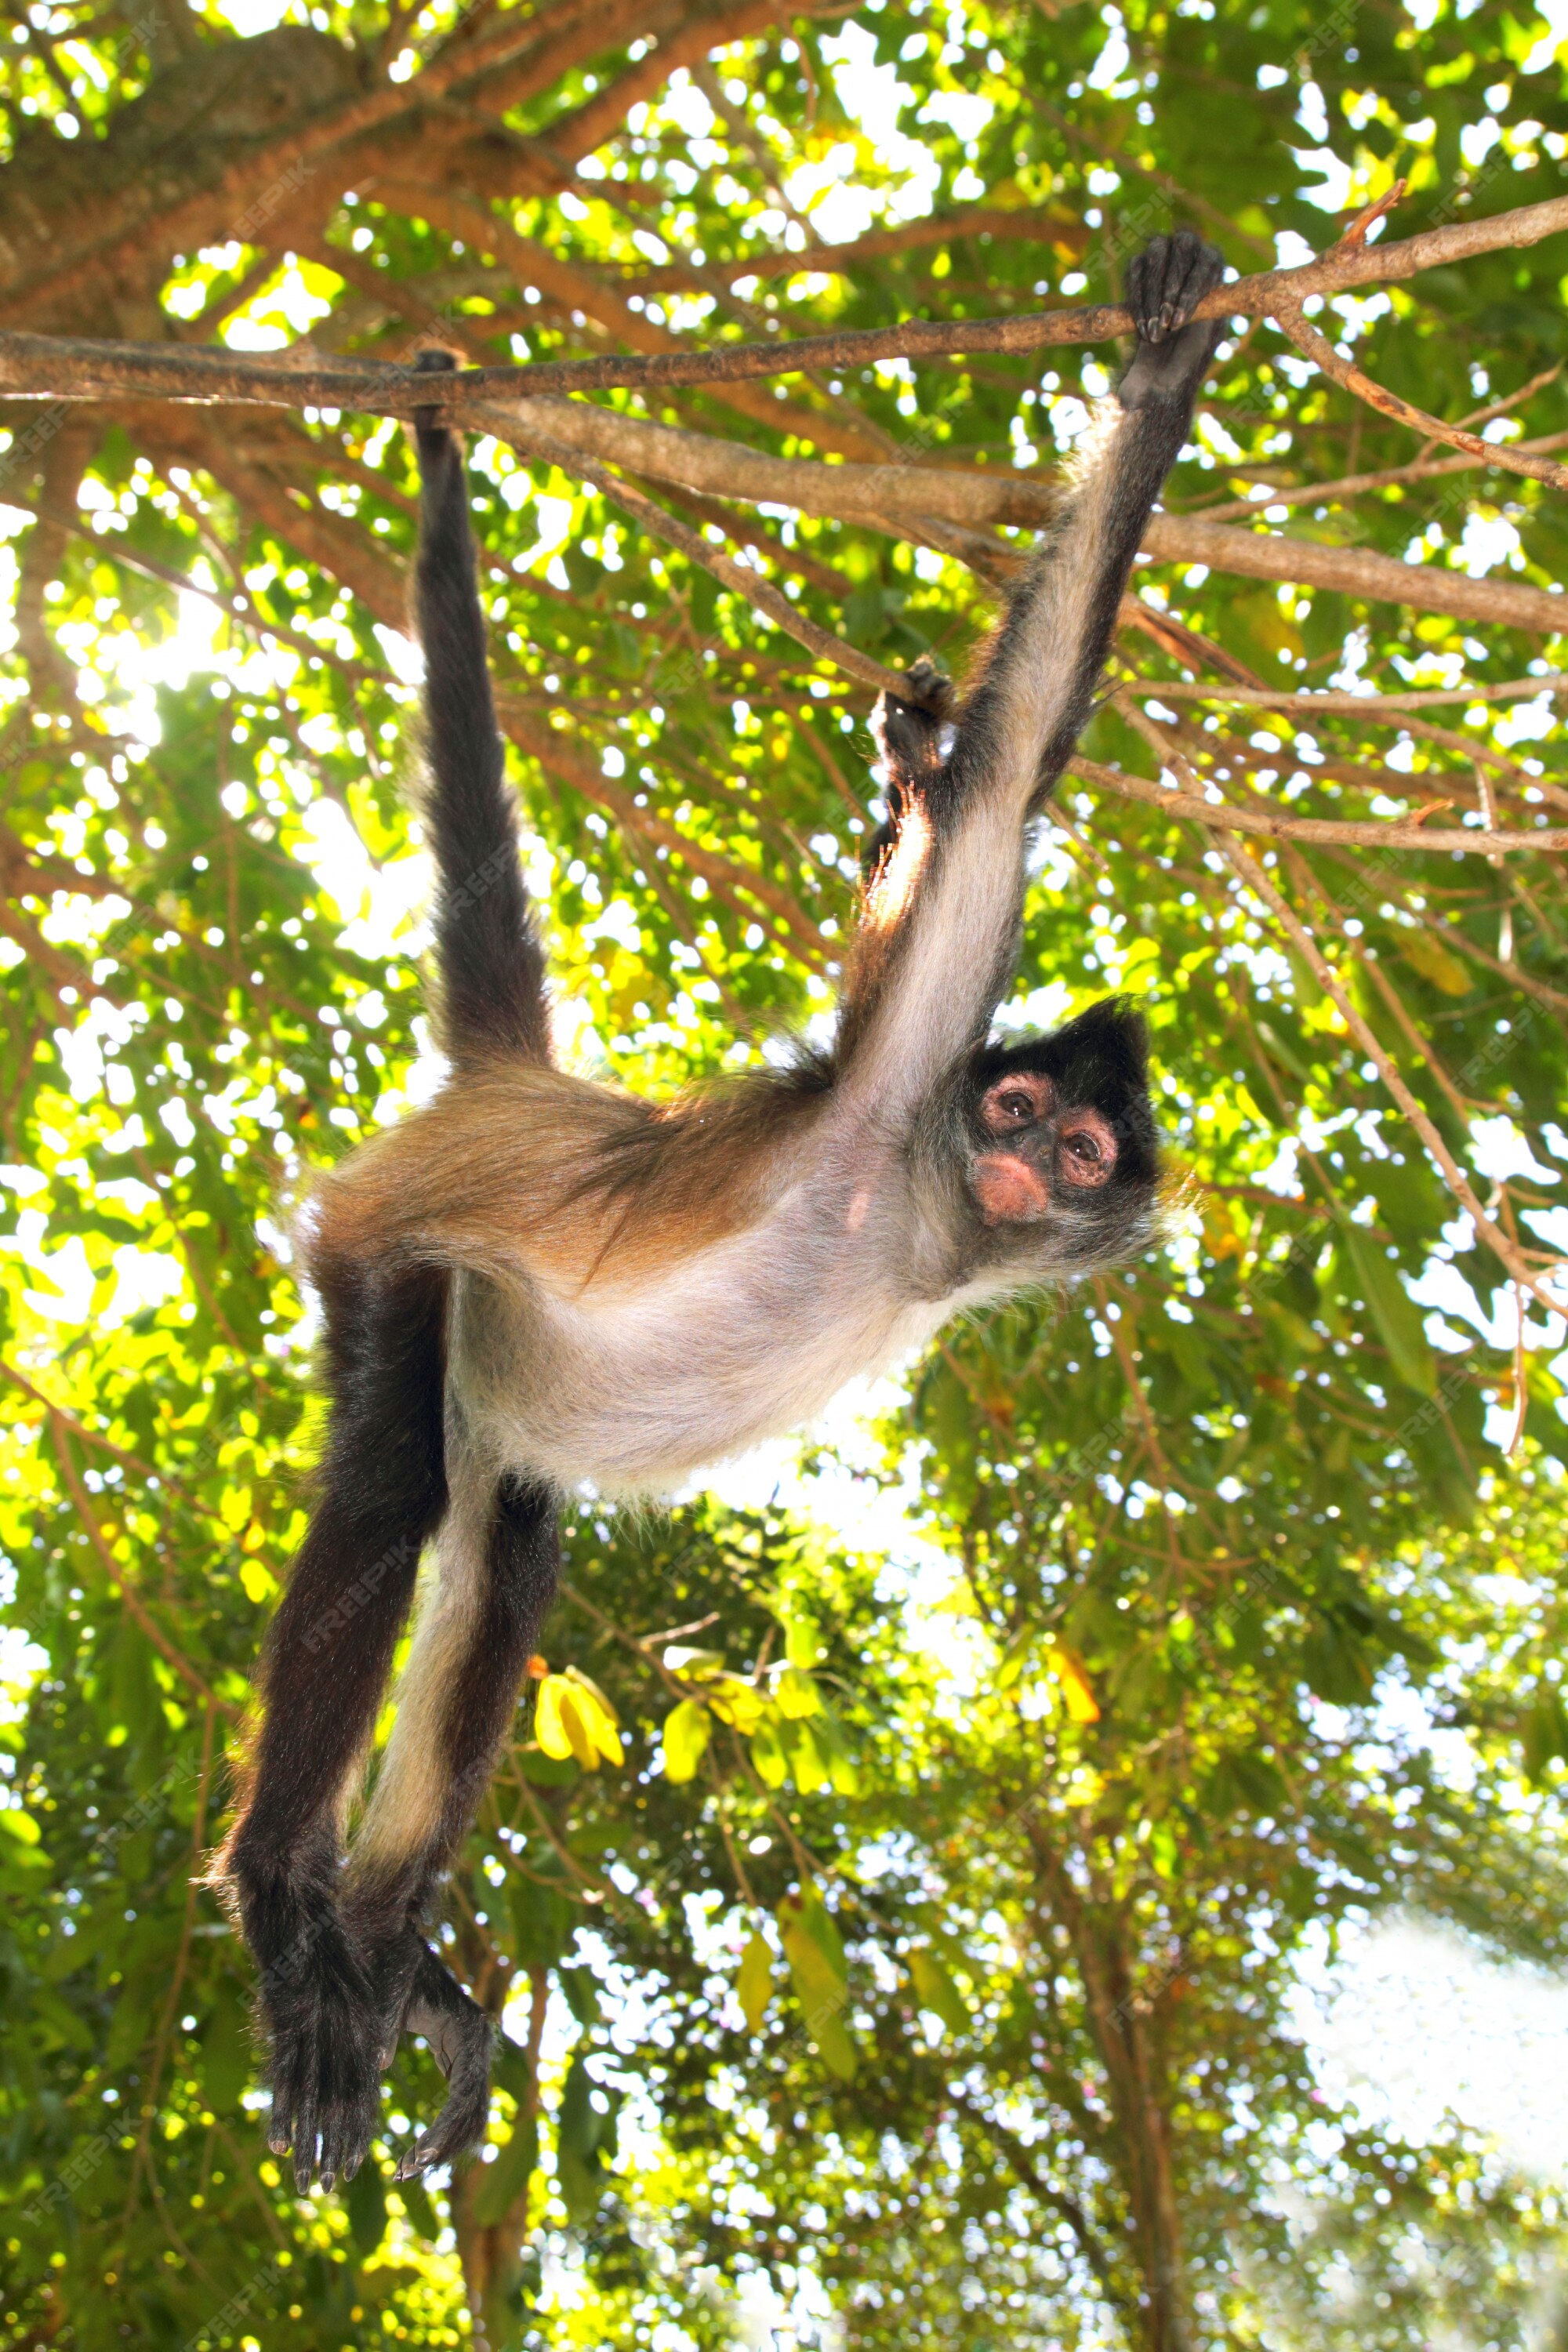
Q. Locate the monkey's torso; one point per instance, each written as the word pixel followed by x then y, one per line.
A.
pixel 596 1337
pixel 663 1362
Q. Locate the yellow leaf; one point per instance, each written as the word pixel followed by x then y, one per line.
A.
pixel 579 1730
pixel 234 1509
pixel 576 1675
pixel 686 1731
pixel 796 1693
pixel 737 1701
pixel 258 1580
pixel 755 1983
pixel 1083 1704
pixel 558 1722
pixel 1435 962
pixel 598 1716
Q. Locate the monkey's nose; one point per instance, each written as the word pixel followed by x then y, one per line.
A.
pixel 1009 1191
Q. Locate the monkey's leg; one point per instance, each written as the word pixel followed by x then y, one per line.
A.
pixel 327 1657
pixel 498 1559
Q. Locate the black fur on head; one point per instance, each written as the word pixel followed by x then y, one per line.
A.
pixel 1063 1153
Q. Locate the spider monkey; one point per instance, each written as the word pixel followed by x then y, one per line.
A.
pixel 536 1281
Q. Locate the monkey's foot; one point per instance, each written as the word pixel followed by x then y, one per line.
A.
pixel 326 2083
pixel 1165 283
pixel 1168 279
pixel 460 2037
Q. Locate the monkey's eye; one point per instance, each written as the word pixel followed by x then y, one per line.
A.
pixel 1016 1101
pixel 1088 1150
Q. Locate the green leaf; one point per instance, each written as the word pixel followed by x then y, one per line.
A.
pixel 754 1985
pixel 499 2184
pixel 802 1644
pixel 768 1754
pixel 364 2201
pixel 936 1990
pixel 1394 1312
pixel 543 1922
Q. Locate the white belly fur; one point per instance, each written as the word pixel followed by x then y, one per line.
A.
pixel 635 1388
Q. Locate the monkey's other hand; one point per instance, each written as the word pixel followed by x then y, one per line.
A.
pixel 459 2035
pixel 326 2082
pixel 1165 283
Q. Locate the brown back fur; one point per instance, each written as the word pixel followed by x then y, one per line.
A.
pixel 522 1166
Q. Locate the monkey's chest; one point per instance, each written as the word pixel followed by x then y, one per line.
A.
pixel 637 1390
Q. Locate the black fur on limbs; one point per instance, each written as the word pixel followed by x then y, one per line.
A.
pixel 344 1961
pixel 928 1166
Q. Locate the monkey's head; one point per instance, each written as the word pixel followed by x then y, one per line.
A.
pixel 1063 1158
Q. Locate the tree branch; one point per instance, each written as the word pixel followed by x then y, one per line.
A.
pixel 1322 352
pixel 66 368
pixel 1223 816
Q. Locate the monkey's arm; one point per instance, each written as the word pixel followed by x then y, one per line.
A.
pixel 489 957
pixel 939 934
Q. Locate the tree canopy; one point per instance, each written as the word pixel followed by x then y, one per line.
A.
pixel 895 1946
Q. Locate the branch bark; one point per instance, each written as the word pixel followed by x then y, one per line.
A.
pixel 1323 356
pixel 1224 816
pixel 71 369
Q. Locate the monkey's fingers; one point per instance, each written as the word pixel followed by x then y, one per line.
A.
pixel 1167 281
pixel 1145 287
pixel 459 2035
pixel 1194 270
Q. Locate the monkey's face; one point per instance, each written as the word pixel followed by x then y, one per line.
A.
pixel 1063 1161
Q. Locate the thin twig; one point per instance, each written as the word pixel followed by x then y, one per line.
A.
pixel 1373 833
pixel 1322 352
pixel 121 1583
pixel 1345 706
pixel 738 577
pixel 1248 871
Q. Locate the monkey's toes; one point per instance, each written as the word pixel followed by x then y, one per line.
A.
pixel 326 2086
pixel 1168 279
pixel 325 2097
pixel 459 2125
pixel 460 2036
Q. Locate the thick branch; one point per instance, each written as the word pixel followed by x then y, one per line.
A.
pixel 63 368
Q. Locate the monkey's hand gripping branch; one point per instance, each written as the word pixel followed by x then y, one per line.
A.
pixel 938 939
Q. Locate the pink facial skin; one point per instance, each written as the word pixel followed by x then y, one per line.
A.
pixel 1009 1186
